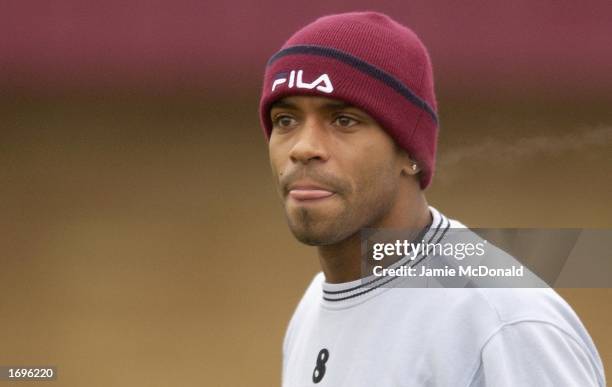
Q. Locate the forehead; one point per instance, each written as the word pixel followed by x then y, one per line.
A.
pixel 311 102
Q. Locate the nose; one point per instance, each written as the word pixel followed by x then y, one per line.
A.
pixel 311 143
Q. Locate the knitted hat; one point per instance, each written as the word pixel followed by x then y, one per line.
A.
pixel 370 61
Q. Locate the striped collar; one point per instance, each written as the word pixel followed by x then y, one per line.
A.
pixel 343 295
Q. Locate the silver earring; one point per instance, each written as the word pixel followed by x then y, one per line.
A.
pixel 414 166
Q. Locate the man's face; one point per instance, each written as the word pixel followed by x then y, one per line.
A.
pixel 336 169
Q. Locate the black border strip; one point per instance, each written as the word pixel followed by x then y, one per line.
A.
pixel 360 65
pixel 390 279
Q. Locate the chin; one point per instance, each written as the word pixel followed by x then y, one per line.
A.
pixel 313 238
pixel 314 232
pixel 318 226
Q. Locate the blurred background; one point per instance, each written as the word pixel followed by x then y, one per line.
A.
pixel 141 239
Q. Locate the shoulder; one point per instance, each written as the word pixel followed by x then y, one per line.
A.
pixel 508 330
pixel 537 307
pixel 488 308
pixel 534 352
pixel 529 299
pixel 310 298
pixel 484 310
pixel 511 304
pixel 538 339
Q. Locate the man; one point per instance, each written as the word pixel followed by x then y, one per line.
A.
pixel 349 110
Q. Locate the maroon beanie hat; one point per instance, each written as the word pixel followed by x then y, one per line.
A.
pixel 370 61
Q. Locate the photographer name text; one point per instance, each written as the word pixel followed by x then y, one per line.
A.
pixel 446 271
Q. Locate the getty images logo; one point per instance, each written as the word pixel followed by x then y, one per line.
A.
pixel 323 83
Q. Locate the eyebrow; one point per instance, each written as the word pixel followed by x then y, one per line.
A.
pixel 284 104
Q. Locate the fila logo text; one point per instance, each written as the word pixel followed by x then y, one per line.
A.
pixel 322 83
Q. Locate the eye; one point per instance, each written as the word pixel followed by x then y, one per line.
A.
pixel 284 121
pixel 345 121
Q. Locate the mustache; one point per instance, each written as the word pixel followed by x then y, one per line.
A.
pixel 317 176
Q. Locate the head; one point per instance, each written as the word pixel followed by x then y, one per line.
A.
pixel 337 170
pixel 349 112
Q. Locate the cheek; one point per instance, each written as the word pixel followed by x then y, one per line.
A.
pixel 274 167
pixel 374 152
pixel 377 181
pixel 275 153
pixel 374 176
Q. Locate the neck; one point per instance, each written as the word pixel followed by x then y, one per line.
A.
pixel 341 262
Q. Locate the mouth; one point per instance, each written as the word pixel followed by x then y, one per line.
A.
pixel 309 192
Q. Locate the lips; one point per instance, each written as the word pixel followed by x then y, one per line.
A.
pixel 304 192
